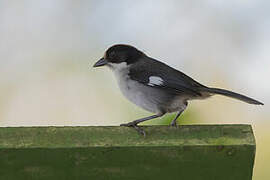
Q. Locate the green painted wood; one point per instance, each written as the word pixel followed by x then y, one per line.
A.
pixel 193 152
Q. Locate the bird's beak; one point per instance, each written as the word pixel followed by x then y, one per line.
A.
pixel 101 62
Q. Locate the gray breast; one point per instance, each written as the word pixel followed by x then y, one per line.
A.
pixel 145 97
pixel 149 98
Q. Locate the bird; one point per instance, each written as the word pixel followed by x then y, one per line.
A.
pixel 155 86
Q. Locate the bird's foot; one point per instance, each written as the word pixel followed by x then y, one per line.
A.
pixel 173 124
pixel 130 124
pixel 135 126
pixel 140 130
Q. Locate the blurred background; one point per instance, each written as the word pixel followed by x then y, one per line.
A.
pixel 47 49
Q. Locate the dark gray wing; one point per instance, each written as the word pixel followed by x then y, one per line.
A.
pixel 156 74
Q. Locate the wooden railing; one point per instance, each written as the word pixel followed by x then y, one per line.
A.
pixel 193 152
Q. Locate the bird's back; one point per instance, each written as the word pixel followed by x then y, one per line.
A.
pixel 173 80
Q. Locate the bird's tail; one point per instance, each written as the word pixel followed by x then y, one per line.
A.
pixel 232 95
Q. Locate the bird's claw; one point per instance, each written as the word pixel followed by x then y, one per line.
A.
pixel 130 124
pixel 140 130
pixel 173 124
pixel 134 125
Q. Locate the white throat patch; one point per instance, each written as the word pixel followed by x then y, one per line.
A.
pixel 118 67
pixel 155 80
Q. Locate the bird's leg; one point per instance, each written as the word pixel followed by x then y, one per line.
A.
pixel 173 123
pixel 134 123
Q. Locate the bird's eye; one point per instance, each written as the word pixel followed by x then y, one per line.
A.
pixel 112 54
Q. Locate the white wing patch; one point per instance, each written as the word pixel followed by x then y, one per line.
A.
pixel 155 81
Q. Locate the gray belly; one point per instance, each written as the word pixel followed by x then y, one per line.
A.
pixel 149 98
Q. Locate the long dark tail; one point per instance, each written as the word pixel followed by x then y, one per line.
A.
pixel 232 95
